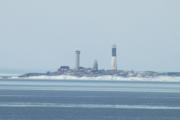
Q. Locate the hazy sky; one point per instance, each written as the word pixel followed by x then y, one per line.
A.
pixel 41 35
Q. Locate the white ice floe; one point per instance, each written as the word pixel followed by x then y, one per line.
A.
pixel 108 77
pixel 7 75
pixel 104 83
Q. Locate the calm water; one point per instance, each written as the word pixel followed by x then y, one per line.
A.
pixel 88 100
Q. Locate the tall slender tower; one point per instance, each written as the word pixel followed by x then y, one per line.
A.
pixel 114 61
pixel 77 62
pixel 95 65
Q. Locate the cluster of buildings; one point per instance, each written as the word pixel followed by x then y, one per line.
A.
pixel 78 68
pixel 95 72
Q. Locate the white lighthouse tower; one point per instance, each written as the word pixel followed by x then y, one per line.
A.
pixel 114 58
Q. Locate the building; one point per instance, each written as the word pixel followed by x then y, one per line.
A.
pixel 114 58
pixel 95 65
pixel 64 69
pixel 77 60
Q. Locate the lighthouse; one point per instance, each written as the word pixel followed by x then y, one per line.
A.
pixel 114 58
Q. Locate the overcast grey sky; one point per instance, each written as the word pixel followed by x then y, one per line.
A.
pixel 41 35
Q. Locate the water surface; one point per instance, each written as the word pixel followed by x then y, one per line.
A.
pixel 22 99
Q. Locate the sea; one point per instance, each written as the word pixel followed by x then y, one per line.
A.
pixel 52 99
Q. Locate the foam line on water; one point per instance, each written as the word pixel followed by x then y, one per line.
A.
pixel 93 106
pixel 91 89
pixel 59 83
